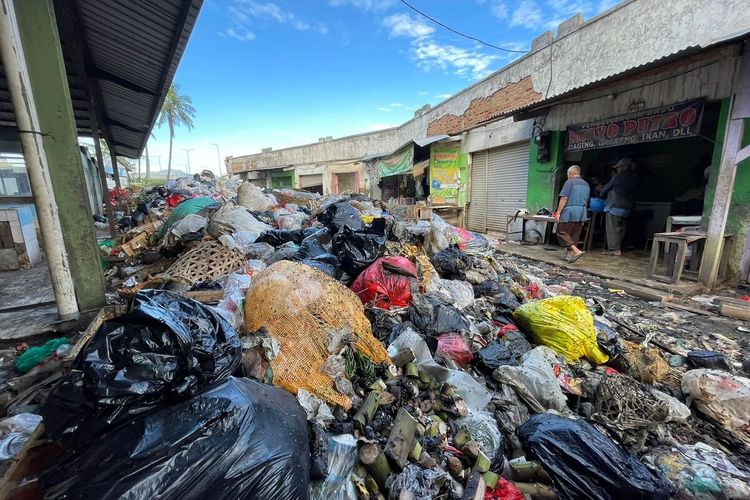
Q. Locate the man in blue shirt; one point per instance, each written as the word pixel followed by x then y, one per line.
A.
pixel 620 196
pixel 571 213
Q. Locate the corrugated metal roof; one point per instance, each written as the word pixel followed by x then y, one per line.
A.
pixel 126 54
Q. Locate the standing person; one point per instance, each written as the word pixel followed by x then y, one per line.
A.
pixel 620 196
pixel 571 213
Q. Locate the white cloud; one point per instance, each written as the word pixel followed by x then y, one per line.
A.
pixel 243 13
pixel 395 105
pixel 568 8
pixel 408 26
pixel 245 36
pixel 499 9
pixel 385 109
pixel 377 126
pixel 442 96
pixel 466 63
pixel 422 92
pixel 374 5
pixel 527 14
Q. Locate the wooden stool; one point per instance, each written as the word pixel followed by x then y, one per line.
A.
pixel 674 253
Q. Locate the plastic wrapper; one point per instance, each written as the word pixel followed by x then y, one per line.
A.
pixel 699 471
pixel 15 431
pixel 466 240
pixel 472 392
pixel 232 218
pixel 166 348
pixel 35 355
pixel 252 197
pixel 342 457
pixel 191 223
pixel 419 484
pixel 458 293
pixel 245 240
pixel 230 304
pixel 434 317
pixel 483 429
pixel 358 249
pixel 507 350
pixel 287 251
pixel 292 221
pixel 487 288
pixel 238 439
pixel 564 324
pixel 338 215
pixel 451 263
pixel 584 463
pixel 453 346
pixel 534 381
pixel 386 283
pixel 720 395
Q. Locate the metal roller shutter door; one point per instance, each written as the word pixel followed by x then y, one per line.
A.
pixel 477 219
pixel 306 181
pixel 507 181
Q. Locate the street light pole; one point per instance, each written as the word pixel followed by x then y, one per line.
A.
pixel 187 151
pixel 218 156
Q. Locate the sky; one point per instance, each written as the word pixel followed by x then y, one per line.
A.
pixel 287 72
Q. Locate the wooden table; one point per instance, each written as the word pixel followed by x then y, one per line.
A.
pixel 676 246
pixel 549 229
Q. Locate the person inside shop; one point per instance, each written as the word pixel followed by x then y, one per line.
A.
pixel 620 198
pixel 571 213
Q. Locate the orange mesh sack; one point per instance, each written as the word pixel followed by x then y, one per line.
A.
pixel 301 308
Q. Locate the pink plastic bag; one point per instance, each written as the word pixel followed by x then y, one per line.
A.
pixel 453 345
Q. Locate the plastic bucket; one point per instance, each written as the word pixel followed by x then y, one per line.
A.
pixel 597 205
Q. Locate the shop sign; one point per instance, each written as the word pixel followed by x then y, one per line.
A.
pixel 399 162
pixel 447 174
pixel 670 122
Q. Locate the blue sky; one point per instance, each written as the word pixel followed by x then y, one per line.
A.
pixel 285 72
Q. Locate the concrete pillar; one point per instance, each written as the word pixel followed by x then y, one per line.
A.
pixel 41 41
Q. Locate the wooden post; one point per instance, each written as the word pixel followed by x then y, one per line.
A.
pixel 115 170
pixel 103 179
pixel 739 109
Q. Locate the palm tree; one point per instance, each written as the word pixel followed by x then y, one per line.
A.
pixel 177 110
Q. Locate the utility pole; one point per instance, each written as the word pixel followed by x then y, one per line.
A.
pixel 218 156
pixel 187 151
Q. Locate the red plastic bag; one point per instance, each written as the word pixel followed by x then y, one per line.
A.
pixel 453 345
pixel 505 490
pixel 386 283
pixel 174 200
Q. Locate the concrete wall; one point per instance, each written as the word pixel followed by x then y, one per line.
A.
pixel 628 36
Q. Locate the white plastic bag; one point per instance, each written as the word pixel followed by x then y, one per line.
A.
pixel 191 223
pixel 342 457
pixel 721 395
pixel 534 381
pixel 15 431
pixel 251 197
pixel 472 392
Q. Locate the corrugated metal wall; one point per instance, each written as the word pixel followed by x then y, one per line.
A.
pixel 499 179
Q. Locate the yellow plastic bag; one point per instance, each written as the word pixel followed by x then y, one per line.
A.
pixel 564 324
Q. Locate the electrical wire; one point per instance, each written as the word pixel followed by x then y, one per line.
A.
pixel 458 32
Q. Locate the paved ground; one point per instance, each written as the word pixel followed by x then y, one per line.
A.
pixel 630 266
pixel 26 302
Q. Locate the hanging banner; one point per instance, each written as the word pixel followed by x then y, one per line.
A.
pixel 447 174
pixel 399 162
pixel 670 122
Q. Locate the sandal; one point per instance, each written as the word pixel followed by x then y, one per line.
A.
pixel 576 257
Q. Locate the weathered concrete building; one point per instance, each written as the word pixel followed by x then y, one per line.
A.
pixel 640 58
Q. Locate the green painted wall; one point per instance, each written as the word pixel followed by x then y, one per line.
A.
pixel 41 42
pixel 280 178
pixel 738 219
pixel 542 176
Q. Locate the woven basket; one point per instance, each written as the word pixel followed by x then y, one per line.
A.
pixel 208 261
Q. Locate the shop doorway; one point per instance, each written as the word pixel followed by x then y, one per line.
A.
pixel 346 182
pixel 672 177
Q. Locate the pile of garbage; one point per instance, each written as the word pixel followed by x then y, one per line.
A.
pixel 287 345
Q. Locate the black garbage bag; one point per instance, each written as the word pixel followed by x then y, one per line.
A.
pixel 421 484
pixel 488 288
pixel 287 251
pixel 451 263
pixel 260 251
pixel 328 263
pixel 339 215
pixel 383 323
pixel 607 338
pixel 708 359
pixel 506 350
pixel 433 317
pixel 505 301
pixel 166 348
pixel 314 245
pixel 238 439
pixel 584 463
pixel 277 237
pixel 358 249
